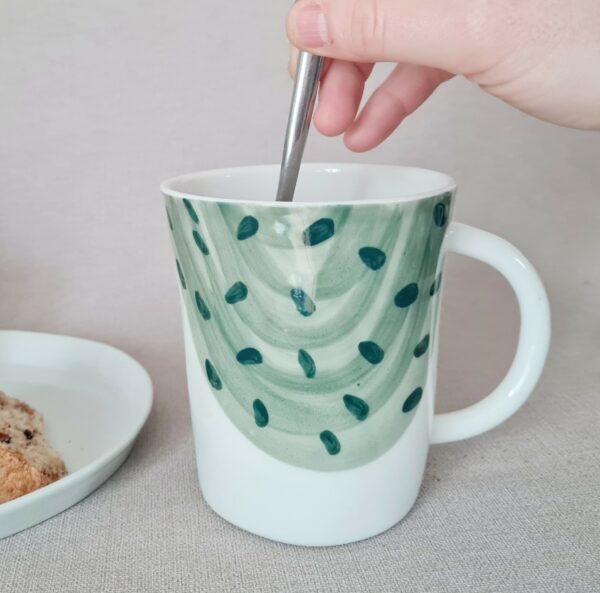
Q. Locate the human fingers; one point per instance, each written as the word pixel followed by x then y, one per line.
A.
pixel 340 94
pixel 405 89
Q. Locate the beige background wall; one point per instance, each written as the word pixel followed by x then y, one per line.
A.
pixel 99 101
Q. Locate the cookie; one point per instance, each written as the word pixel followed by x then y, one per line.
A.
pixel 27 461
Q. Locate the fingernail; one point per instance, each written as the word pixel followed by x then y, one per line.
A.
pixel 312 26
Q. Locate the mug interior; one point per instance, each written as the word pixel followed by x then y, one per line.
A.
pixel 317 183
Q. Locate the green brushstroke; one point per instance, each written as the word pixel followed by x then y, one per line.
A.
pixel 412 400
pixel 201 306
pixel 247 228
pixel 371 352
pixel 200 242
pixel 236 293
pixel 212 375
pixel 303 302
pixel 436 285
pixel 180 274
pixel 249 356
pixel 440 215
pixel 407 296
pixel 190 210
pixel 331 442
pixel 319 231
pixel 307 363
pixel 372 257
pixel 261 415
pixel 356 406
pixel 421 347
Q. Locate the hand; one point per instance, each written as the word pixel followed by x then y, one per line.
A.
pixel 540 56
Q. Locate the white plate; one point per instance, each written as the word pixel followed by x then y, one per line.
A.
pixel 94 399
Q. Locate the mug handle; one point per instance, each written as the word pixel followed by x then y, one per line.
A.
pixel 534 335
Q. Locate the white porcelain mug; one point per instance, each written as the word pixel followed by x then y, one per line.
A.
pixel 311 342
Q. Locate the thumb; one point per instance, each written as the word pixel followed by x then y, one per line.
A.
pixel 437 33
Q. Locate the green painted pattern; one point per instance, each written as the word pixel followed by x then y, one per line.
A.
pixel 200 242
pixel 213 376
pixel 201 306
pixel 356 406
pixel 261 415
pixel 421 347
pixel 247 228
pixel 249 356
pixel 372 257
pixel 412 400
pixel 305 305
pixel 319 231
pixel 326 353
pixel 181 276
pixel 436 285
pixel 237 292
pixel 190 210
pixel 331 442
pixel 407 296
pixel 307 363
pixel 440 214
pixel 371 352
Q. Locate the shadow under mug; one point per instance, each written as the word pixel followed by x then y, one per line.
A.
pixel 311 333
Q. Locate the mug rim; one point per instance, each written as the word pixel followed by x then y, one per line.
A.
pixel 167 186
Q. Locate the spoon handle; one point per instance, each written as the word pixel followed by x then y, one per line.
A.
pixel 303 100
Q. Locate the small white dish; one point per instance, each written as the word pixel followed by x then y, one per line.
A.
pixel 94 399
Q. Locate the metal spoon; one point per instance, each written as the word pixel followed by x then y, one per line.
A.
pixel 301 108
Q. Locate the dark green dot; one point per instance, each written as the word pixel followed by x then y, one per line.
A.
pixel 181 276
pixel 371 351
pixel 247 227
pixel 200 242
pixel 422 346
pixel 436 285
pixel 169 218
pixel 412 400
pixel 237 292
pixel 372 257
pixel 201 305
pixel 261 416
pixel 407 296
pixel 358 407
pixel 190 210
pixel 307 363
pixel 331 442
pixel 318 231
pixel 213 377
pixel 303 302
pixel 249 356
pixel 440 214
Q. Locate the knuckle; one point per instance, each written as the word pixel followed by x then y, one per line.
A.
pixel 395 101
pixel 367 26
pixel 480 28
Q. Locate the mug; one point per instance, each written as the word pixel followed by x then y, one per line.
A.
pixel 311 338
